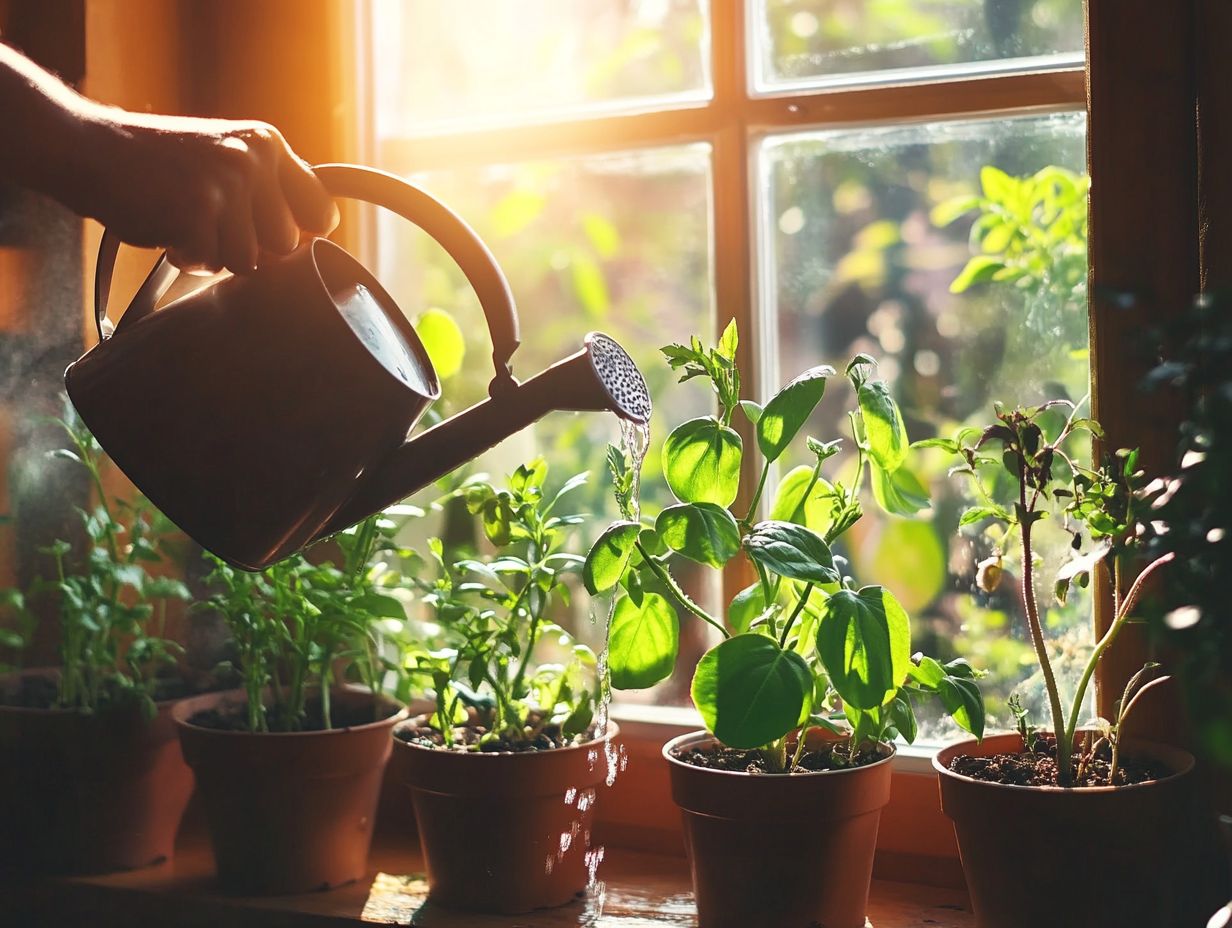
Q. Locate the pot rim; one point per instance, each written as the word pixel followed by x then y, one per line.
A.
pixel 608 736
pixel 180 714
pixel 1062 790
pixel 703 735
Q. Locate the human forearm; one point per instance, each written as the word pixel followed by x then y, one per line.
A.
pixel 48 125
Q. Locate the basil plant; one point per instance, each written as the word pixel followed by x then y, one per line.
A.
pixel 804 646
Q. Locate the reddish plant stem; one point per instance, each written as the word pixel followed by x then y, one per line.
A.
pixel 1064 774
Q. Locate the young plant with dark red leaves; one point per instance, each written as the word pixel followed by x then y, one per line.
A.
pixel 1101 508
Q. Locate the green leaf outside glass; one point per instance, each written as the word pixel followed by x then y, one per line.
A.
pixel 791 550
pixel 609 556
pixel 701 461
pixel 751 692
pixel 702 532
pixel 864 642
pixel 900 493
pixel 788 409
pixel 642 642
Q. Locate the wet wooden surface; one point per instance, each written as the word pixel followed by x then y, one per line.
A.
pixel 635 890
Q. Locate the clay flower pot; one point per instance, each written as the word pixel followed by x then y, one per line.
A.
pixel 288 812
pixel 89 792
pixel 1106 857
pixel 506 832
pixel 779 851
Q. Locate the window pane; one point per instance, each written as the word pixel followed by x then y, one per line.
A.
pixel 617 243
pixel 440 65
pixel 843 41
pixel 861 262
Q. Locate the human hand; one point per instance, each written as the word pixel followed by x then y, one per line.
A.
pixel 214 193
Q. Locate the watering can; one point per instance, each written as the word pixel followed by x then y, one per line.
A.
pixel 266 411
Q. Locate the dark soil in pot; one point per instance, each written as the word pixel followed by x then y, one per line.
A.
pixel 505 831
pixel 86 792
pixel 778 850
pixel 1038 767
pixel 288 812
pixel 1143 854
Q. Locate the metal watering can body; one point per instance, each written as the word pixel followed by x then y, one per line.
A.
pixel 264 412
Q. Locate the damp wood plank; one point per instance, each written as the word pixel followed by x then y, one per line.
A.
pixel 636 890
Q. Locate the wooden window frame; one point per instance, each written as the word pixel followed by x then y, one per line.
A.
pixel 1164 259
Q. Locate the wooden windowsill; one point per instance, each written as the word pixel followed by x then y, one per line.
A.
pixel 639 890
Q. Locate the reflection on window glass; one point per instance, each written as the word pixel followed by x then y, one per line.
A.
pixel 617 243
pixel 439 64
pixel 827 40
pixel 871 235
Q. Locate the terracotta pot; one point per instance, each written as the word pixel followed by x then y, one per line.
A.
pixel 89 793
pixel 1093 857
pixel 505 832
pixel 779 851
pixel 288 812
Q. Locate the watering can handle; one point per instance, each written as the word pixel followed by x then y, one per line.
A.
pixel 381 189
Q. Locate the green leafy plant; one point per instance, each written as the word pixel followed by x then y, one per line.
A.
pixel 1030 231
pixel 112 609
pixel 490 686
pixel 296 623
pixel 1101 508
pixel 803 647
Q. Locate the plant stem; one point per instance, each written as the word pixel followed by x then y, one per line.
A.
pixel 791 620
pixel 1064 746
pixel 681 596
pixel 1124 609
pixel 761 485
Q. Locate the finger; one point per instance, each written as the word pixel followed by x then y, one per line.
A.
pixel 237 236
pixel 193 244
pixel 310 202
pixel 277 230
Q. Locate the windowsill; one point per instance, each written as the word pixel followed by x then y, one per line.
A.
pixel 639 889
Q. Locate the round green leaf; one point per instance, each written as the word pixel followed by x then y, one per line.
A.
pixel 642 642
pixel 746 606
pixel 443 341
pixel 702 532
pixel 701 461
pixel 790 504
pixel 962 699
pixel 864 642
pixel 883 426
pixel 791 550
pixel 750 691
pixel 787 410
pixel 609 556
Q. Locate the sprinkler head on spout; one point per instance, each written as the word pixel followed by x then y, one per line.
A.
pixel 619 378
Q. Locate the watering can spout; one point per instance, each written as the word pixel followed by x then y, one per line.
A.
pixel 600 376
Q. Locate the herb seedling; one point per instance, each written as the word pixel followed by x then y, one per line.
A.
pixel 496 614
pixel 294 623
pixel 803 647
pixel 112 610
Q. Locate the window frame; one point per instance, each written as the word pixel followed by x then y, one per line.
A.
pixel 733 123
pixel 916 842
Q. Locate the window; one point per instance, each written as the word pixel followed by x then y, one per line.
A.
pixel 653 168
